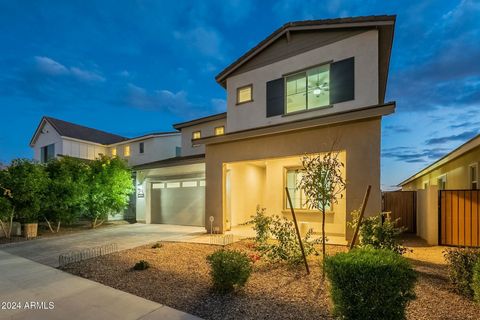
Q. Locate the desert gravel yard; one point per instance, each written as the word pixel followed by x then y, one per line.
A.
pixel 179 278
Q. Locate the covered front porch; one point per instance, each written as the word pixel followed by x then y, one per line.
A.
pixel 256 184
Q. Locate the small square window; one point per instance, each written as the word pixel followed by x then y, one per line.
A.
pixel 219 131
pixel 245 94
pixel 126 151
pixel 196 135
pixel 141 147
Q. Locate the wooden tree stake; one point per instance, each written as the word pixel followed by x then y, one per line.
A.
pixel 360 217
pixel 298 231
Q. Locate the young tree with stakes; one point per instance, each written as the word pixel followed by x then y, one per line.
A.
pixel 323 184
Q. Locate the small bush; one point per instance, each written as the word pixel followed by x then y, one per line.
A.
pixel 157 245
pixel 261 225
pixel 229 269
pixel 141 265
pixel 377 234
pixel 476 281
pixel 370 284
pixel 460 267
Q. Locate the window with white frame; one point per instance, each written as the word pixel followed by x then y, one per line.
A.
pixel 297 195
pixel 473 176
pixel 442 182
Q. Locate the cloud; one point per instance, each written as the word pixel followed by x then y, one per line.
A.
pixel 219 105
pixel 206 40
pixel 464 136
pixel 397 128
pixel 50 67
pixel 412 155
pixel 466 124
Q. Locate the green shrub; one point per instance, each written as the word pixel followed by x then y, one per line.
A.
pixel 370 284
pixel 141 265
pixel 376 234
pixel 286 247
pixel 460 267
pixel 229 269
pixel 261 225
pixel 476 282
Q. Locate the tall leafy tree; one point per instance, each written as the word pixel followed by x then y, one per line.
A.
pixel 67 191
pixel 28 182
pixel 110 185
pixel 323 184
pixel 6 208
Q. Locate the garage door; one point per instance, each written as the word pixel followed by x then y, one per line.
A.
pixel 179 202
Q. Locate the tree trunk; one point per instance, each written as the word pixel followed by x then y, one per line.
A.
pixel 7 232
pixel 58 225
pixel 323 244
pixel 49 225
pixel 94 223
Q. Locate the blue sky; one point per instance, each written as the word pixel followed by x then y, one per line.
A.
pixel 132 67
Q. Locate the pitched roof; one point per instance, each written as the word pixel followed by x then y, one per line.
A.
pixel 213 117
pixel 72 130
pixel 384 23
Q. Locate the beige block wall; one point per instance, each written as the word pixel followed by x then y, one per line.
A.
pixel 456 172
pixel 427 214
pixel 360 140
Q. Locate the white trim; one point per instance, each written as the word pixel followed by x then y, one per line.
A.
pixel 470 181
pixel 442 177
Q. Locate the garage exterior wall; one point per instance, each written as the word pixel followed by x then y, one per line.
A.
pixel 360 140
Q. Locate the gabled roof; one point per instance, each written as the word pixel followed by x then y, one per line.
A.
pixel 213 117
pixel 384 23
pixel 459 151
pixel 75 131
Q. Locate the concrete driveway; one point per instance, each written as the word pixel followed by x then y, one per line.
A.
pixel 47 250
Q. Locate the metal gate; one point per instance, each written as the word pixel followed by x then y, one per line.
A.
pixel 459 218
pixel 403 205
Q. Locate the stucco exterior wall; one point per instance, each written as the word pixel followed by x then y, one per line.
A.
pixel 364 47
pixel 456 172
pixel 359 140
pixel 207 129
pixel 427 214
pixel 47 136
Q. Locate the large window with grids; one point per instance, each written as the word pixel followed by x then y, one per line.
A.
pixel 299 200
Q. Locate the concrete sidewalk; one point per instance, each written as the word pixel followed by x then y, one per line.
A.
pixel 47 250
pixel 60 295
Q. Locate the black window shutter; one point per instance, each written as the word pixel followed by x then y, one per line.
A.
pixel 342 81
pixel 275 97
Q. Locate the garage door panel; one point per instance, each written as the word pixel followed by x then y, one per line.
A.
pixel 178 204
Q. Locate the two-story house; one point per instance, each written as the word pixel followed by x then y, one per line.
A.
pixel 309 87
pixel 54 138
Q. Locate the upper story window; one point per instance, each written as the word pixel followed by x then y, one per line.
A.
pixel 47 152
pixel 220 130
pixel 473 176
pixel 245 94
pixel 308 89
pixel 141 147
pixel 196 135
pixel 126 151
pixel 114 152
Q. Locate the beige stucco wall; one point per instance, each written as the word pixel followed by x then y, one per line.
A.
pixel 427 214
pixel 360 140
pixel 456 172
pixel 364 47
pixel 207 129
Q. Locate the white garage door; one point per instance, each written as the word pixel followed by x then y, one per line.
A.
pixel 179 202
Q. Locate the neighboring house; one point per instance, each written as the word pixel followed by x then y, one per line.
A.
pixel 55 137
pixel 451 216
pixel 456 170
pixel 309 87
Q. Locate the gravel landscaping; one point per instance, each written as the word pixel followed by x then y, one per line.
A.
pixel 179 278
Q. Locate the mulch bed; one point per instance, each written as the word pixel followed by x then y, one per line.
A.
pixel 179 278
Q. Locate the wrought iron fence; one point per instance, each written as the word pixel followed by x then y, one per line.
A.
pixel 84 254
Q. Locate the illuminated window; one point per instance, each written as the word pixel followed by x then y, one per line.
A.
pixel 219 131
pixel 202 183
pixel 196 135
pixel 114 152
pixel 244 94
pixel 293 178
pixel 158 185
pixel 308 89
pixel 173 184
pixel 187 184
pixel 126 151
